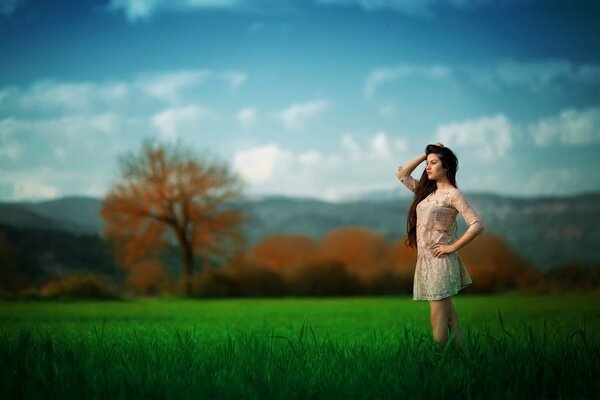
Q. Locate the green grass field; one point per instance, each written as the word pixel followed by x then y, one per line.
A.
pixel 542 346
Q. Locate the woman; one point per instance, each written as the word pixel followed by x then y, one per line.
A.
pixel 431 228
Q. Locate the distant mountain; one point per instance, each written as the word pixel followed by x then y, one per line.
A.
pixel 546 231
pixel 27 217
pixel 75 214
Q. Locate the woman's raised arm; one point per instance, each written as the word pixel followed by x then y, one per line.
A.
pixel 403 172
pixel 411 165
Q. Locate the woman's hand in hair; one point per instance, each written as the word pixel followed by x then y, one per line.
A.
pixel 431 147
pixel 441 249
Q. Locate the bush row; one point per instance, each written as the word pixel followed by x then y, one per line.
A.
pixel 321 279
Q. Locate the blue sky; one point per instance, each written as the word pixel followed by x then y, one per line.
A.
pixel 314 98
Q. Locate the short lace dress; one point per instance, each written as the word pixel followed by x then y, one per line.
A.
pixel 439 277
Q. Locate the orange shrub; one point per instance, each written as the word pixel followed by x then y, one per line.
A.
pixel 495 267
pixel 364 253
pixel 283 253
pixel 147 276
pixel 79 286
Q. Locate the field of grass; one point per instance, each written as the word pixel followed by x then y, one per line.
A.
pixel 517 346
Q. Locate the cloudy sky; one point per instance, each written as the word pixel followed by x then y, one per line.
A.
pixel 312 98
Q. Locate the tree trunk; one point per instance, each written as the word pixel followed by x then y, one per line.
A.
pixel 188 267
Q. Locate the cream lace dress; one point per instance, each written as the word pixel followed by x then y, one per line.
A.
pixel 439 277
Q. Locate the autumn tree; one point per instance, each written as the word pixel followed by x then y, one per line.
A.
pixel 284 252
pixel 365 253
pixel 403 259
pixel 147 276
pixel 494 266
pixel 167 195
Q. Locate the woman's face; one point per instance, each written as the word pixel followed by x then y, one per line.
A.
pixel 434 168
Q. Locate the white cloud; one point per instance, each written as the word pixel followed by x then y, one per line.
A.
pixel 261 26
pixel 379 147
pixel 35 190
pixel 247 117
pixel 51 157
pixel 168 86
pixel 535 75
pixel 310 158
pixel 388 110
pixel 81 127
pixel 418 8
pixel 551 181
pixel 46 182
pixel 36 183
pixel 63 127
pixel 587 73
pixel 351 146
pixel 11 151
pixel 532 74
pixel 70 97
pixel 400 144
pixel 347 192
pixel 79 141
pixel 107 123
pixel 336 176
pixel 382 76
pixel 49 97
pixel 169 122
pixel 6 93
pixel 136 10
pixel 235 79
pixel 259 164
pixel 488 137
pixel 59 152
pixel 569 127
pixel 297 115
pixel 144 9
pixel 366 163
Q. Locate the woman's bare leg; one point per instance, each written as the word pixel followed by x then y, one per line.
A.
pixel 454 327
pixel 440 317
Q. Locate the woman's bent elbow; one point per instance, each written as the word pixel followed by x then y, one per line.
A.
pixel 477 228
pixel 481 229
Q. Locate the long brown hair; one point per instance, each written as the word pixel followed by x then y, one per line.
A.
pixel 426 187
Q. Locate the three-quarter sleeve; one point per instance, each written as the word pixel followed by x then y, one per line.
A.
pixel 462 205
pixel 407 180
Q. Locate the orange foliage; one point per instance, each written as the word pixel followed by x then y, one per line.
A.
pixel 403 259
pixel 380 266
pixel 284 253
pixel 147 276
pixel 494 266
pixel 362 251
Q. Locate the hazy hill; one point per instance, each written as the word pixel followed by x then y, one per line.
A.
pixel 547 231
pixel 72 214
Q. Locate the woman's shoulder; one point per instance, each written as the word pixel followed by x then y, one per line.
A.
pixel 451 190
pixel 452 193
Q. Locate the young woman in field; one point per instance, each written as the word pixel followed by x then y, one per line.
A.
pixel 431 228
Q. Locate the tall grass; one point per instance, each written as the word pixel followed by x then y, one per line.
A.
pixel 113 358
